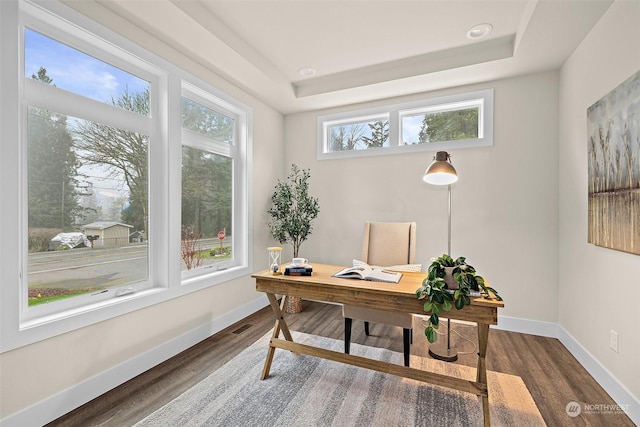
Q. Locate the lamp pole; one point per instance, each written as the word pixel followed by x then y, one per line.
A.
pixel 449 355
pixel 441 172
pixel 449 212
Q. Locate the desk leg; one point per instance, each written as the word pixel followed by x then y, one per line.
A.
pixel 280 324
pixel 481 375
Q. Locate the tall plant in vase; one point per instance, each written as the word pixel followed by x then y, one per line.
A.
pixel 292 213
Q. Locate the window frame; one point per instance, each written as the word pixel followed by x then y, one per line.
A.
pixel 70 104
pixel 195 140
pixel 65 25
pixel 482 98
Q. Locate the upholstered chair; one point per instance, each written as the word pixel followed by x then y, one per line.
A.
pixel 384 244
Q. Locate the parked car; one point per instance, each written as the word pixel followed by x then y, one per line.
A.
pixel 70 240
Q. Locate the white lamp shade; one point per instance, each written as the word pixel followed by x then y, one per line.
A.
pixel 440 178
pixel 441 171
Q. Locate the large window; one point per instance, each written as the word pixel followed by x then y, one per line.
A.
pixel 95 153
pixel 87 185
pixel 208 136
pixel 87 178
pixel 456 121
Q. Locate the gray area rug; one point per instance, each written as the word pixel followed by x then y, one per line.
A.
pixel 307 391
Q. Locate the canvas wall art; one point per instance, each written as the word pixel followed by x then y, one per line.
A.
pixel 613 129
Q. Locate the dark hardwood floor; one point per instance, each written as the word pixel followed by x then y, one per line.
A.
pixel 552 375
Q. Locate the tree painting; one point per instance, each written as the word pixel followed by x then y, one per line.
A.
pixel 613 128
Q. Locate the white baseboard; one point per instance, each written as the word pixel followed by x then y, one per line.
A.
pixel 618 392
pixel 526 326
pixel 67 400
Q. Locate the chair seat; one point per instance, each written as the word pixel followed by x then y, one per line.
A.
pixel 394 318
pixel 385 244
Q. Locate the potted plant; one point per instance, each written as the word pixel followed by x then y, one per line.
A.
pixel 448 284
pixel 292 213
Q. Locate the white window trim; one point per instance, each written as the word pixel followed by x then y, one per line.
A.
pixel 74 105
pixel 163 259
pixel 201 142
pixel 395 113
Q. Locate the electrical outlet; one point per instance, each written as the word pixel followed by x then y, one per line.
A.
pixel 613 340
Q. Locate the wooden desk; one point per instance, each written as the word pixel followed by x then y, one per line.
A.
pixel 394 297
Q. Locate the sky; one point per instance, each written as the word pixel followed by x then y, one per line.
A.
pixel 411 126
pixel 75 71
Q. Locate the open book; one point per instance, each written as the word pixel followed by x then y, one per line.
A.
pixel 368 273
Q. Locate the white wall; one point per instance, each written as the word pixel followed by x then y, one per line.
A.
pixel 599 287
pixel 504 204
pixel 44 380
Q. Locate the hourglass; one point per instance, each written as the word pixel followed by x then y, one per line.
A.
pixel 275 253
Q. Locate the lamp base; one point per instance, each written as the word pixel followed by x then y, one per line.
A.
pixel 441 352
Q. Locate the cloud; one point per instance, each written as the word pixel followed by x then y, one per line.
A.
pixel 76 71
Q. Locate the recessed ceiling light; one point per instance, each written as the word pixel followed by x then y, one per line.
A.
pixel 479 31
pixel 307 71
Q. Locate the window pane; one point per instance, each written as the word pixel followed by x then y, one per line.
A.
pixel 205 121
pixel 87 203
pixel 440 126
pixel 52 62
pixel 359 135
pixel 206 208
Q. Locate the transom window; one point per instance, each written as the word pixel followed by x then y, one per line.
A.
pixel 457 121
pixel 361 134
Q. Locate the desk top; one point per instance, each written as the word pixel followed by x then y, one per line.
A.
pixel 322 286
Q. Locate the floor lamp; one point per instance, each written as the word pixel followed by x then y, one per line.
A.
pixel 442 172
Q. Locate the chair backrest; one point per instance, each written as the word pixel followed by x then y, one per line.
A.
pixel 389 243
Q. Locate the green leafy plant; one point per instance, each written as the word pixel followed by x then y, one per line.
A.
pixel 293 209
pixel 440 298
